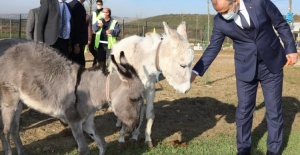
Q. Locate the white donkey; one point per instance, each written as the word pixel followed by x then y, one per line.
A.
pixel 48 83
pixel 150 55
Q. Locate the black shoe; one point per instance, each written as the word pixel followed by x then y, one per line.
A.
pixel 94 63
pixel 243 153
pixel 272 153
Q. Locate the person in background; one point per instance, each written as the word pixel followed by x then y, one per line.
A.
pixel 96 15
pixel 90 31
pixel 31 24
pixel 54 25
pixel 107 31
pixel 79 35
pixel 259 58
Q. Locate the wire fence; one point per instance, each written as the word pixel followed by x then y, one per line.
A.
pixel 14 26
pixel 195 35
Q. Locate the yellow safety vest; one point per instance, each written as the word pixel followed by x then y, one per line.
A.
pixel 95 17
pixel 110 39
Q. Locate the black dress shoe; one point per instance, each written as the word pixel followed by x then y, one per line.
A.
pixel 272 153
pixel 243 153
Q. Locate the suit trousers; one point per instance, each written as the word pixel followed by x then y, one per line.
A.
pixel 93 50
pixel 62 45
pixel 78 58
pixel 102 50
pixel 271 84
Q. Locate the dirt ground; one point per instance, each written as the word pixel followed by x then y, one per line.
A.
pixel 207 109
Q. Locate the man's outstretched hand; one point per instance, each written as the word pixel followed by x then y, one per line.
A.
pixel 292 58
pixel 193 77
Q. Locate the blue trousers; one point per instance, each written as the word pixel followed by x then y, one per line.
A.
pixel 272 90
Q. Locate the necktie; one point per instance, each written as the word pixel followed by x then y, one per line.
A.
pixel 244 22
pixel 63 30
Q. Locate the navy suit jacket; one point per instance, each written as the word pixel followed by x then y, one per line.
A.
pixel 79 29
pixel 266 42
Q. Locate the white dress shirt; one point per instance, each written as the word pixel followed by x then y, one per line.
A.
pixel 60 2
pixel 244 11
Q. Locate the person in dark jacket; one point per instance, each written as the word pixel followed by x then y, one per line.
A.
pixel 107 31
pixel 79 35
pixel 259 58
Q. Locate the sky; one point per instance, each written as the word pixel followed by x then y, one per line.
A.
pixel 143 8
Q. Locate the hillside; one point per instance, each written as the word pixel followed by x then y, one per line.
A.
pixel 197 25
pixel 175 19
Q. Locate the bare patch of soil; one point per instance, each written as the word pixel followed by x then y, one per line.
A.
pixel 207 109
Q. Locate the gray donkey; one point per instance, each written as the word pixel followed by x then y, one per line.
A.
pixel 49 83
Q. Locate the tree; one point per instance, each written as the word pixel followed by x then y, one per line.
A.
pixel 91 2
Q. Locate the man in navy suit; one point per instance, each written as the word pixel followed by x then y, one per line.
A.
pixel 79 35
pixel 259 58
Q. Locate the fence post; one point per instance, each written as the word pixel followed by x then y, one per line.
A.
pixel 123 27
pixel 20 25
pixel 146 29
pixel 10 28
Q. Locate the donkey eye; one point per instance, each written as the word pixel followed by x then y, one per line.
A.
pixel 136 99
pixel 183 66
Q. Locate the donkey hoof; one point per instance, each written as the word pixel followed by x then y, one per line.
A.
pixel 131 141
pixel 149 144
pixel 118 125
pixel 121 145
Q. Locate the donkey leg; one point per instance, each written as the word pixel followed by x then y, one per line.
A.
pixel 15 130
pixel 89 128
pixel 136 131
pixel 150 94
pixel 122 135
pixel 7 119
pixel 77 132
pixel 9 103
pixel 118 123
pixel 5 143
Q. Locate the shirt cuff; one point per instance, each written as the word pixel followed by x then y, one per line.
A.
pixel 195 72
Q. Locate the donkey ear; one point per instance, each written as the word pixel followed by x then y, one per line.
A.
pixel 123 59
pixel 126 67
pixel 181 29
pixel 112 57
pixel 120 68
pixel 167 28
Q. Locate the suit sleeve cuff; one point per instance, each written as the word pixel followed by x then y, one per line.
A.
pixel 195 72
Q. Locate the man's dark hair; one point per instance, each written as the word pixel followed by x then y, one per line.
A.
pixel 99 1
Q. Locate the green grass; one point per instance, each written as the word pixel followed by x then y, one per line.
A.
pixel 223 141
pixel 12 35
pixel 219 144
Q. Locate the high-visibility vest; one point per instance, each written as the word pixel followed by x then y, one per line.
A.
pixel 110 39
pixel 95 17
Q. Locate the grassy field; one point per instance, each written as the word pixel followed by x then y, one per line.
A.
pixel 200 122
pixel 203 120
